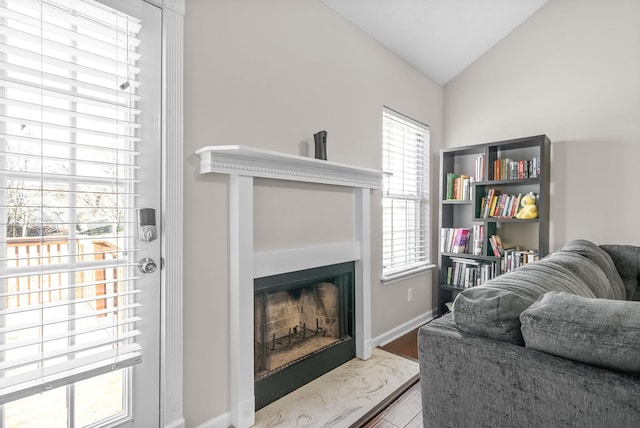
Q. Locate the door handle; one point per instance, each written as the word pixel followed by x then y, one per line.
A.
pixel 147 265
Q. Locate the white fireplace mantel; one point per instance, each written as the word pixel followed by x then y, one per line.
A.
pixel 242 164
pixel 253 162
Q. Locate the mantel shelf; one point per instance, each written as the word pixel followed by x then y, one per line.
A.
pixel 253 162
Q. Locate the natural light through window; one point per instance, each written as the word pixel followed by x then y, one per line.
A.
pixel 405 157
pixel 68 134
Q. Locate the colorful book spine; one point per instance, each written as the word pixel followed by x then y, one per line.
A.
pixel 450 184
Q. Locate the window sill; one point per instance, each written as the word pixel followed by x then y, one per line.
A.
pixel 387 280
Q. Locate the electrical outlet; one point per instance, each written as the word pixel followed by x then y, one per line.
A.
pixel 409 294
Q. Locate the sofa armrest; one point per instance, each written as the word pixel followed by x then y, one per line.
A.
pixel 471 381
pixel 626 259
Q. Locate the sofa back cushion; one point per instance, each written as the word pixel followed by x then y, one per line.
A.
pixel 599 332
pixel 626 258
pixel 588 249
pixel 493 309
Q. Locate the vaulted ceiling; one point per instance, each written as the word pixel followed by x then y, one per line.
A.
pixel 439 37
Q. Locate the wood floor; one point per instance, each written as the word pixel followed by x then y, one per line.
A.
pixel 406 410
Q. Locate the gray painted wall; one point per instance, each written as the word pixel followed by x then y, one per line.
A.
pixel 269 75
pixel 572 71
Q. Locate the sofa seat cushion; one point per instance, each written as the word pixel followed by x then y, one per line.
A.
pixel 599 332
pixel 588 249
pixel 493 309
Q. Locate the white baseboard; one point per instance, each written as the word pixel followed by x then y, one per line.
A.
pixel 403 329
pixel 221 421
pixel 176 424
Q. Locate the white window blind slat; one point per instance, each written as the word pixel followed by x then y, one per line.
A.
pixel 122 151
pixel 405 194
pixel 57 28
pixel 51 81
pixel 66 113
pixel 62 178
pixel 75 317
pixel 63 288
pixel 45 358
pixel 92 162
pixel 49 127
pixel 68 173
pixel 69 303
pixel 74 370
pixel 21 80
pixel 55 269
pixel 83 25
pixel 56 259
pixel 70 333
pixel 67 95
pixel 101 13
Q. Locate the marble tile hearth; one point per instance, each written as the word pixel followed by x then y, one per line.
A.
pixel 342 396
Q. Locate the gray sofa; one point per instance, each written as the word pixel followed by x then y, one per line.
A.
pixel 555 343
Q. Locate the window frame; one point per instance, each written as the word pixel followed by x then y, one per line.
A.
pixel 401 189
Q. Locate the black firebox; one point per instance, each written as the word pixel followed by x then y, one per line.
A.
pixel 304 327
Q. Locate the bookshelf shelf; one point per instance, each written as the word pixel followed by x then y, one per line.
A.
pixel 456 202
pixel 451 287
pixel 471 256
pixel 505 220
pixel 518 182
pixel 510 168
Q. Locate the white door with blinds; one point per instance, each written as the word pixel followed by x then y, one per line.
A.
pixel 80 154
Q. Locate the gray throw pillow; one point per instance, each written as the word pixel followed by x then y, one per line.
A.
pixel 598 332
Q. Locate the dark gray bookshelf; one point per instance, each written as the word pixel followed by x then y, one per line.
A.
pixel 531 234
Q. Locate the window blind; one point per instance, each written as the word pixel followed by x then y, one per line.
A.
pixel 405 156
pixel 68 135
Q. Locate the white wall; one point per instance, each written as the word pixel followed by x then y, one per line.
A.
pixel 572 71
pixel 269 75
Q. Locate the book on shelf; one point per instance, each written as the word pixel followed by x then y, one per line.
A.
pixel 458 187
pixel 478 239
pixel 496 245
pixel 500 205
pixel 509 169
pixel 493 202
pixel 515 206
pixel 454 240
pixel 465 188
pixel 514 258
pixel 501 168
pixel 450 180
pixel 479 167
pixel 460 243
pixel 467 273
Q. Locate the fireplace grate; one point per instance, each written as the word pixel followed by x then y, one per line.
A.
pixel 297 334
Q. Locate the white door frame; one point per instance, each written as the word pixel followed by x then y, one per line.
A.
pixel 171 372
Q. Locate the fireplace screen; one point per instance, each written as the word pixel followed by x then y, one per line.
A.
pixel 303 328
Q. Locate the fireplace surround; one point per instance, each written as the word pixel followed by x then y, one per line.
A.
pixel 243 164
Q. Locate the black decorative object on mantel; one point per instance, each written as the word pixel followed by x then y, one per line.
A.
pixel 320 139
